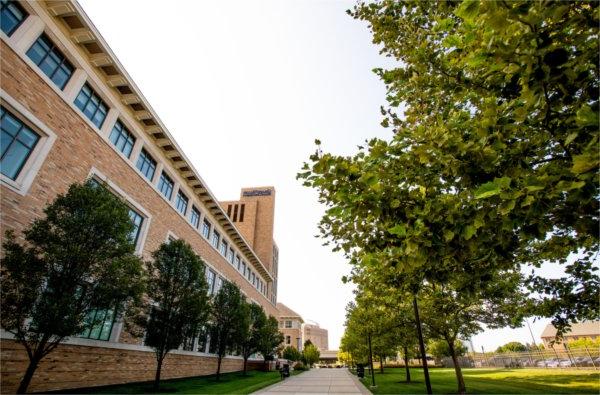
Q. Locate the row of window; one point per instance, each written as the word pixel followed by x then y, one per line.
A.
pixel 18 141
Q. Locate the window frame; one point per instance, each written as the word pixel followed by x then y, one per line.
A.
pixel 145 154
pixel 198 215
pixel 58 53
pixel 21 9
pixel 181 197
pixel 101 104
pixel 162 181
pixel 38 154
pixel 206 225
pixel 215 239
pixel 123 132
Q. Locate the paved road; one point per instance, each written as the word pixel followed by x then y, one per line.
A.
pixel 318 381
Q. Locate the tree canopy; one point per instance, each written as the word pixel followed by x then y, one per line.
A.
pixel 178 304
pixel 76 260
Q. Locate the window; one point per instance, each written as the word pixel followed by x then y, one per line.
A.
pixel 223 247
pixel 253 279
pixel 206 228
pixel 91 105
pixel 146 164
pixel 238 262
pixel 231 255
pixel 249 273
pixel 122 138
pixel 99 324
pixel 288 324
pixel 165 185
pixel 137 226
pixel 195 217
pixel 11 15
pixel 219 284
pixel 17 142
pixel 216 237
pixel 243 268
pixel 181 203
pixel 288 340
pixel 210 279
pixel 50 60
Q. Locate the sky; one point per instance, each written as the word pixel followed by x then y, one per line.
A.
pixel 245 87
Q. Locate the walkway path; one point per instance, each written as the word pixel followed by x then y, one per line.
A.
pixel 318 381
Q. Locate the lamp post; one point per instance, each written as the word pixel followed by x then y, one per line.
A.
pixel 422 346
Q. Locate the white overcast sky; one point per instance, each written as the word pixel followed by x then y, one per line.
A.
pixel 245 87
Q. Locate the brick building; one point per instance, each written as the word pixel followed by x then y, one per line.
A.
pixel 290 324
pixel 71 112
pixel 580 330
pixel 317 335
pixel 296 332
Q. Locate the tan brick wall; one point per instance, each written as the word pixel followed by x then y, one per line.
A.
pixel 70 366
pixel 318 336
pixel 77 149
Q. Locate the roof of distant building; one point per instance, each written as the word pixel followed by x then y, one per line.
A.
pixel 285 311
pixel 587 328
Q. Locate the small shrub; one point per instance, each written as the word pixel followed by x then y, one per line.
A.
pixel 300 367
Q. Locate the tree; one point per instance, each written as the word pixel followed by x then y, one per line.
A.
pixel 501 99
pixel 78 259
pixel 291 353
pixel 177 304
pixel 310 355
pixel 255 321
pixel 226 321
pixel 307 342
pixel 270 339
pixel 440 349
pixel 512 347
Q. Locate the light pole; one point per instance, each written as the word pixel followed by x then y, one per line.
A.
pixel 371 361
pixel 422 346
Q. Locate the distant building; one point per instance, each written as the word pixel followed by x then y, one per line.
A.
pixel 290 324
pixel 317 335
pixel 587 329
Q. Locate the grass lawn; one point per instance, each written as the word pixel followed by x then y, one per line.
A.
pixel 230 383
pixel 489 381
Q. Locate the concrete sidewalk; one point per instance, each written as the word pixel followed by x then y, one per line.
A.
pixel 318 381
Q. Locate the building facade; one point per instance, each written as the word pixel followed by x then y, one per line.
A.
pixel 581 330
pixel 290 324
pixel 317 336
pixel 70 112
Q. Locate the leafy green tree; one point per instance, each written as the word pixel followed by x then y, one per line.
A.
pixel 291 353
pixel 178 303
pixel 440 349
pixel 270 339
pixel 255 321
pixel 310 355
pixel 77 259
pixel 512 347
pixel 227 322
pixel 501 100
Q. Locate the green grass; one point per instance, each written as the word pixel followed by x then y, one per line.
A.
pixel 230 383
pixel 489 381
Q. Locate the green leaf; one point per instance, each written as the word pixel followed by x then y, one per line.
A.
pixel 583 163
pixel 507 207
pixel 486 190
pixel 468 9
pixel 570 138
pixel 469 232
pixel 586 117
pixel 527 201
pixel 448 235
pixel 398 230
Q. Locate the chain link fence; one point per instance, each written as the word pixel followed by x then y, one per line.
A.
pixel 557 357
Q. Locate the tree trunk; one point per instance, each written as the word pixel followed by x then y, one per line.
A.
pixel 381 358
pixel 26 380
pixel 459 377
pixel 219 359
pixel 406 364
pixel 159 362
pixel 245 364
